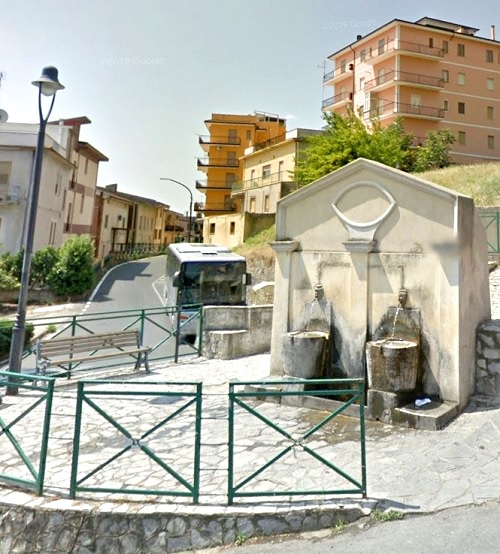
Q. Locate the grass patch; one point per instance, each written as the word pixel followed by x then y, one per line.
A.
pixel 389 515
pixel 480 181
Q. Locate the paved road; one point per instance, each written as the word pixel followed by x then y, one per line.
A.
pixel 471 529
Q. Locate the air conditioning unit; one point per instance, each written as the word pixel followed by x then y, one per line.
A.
pixel 11 198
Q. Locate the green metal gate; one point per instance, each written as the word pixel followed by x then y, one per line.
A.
pixel 491 224
pixel 155 443
pixel 27 459
pixel 280 391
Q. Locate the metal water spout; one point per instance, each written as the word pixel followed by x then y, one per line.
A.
pixel 402 297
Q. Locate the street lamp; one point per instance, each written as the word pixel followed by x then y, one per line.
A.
pixel 48 84
pixel 190 203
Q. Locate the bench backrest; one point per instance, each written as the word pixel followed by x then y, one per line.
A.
pixel 87 343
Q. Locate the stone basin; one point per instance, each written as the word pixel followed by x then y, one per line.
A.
pixel 392 364
pixel 303 353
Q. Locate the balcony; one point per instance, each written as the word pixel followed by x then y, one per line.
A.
pixel 221 207
pixel 271 179
pixel 205 163
pixel 405 110
pixel 338 74
pixel 214 185
pixel 206 141
pixel 338 99
pixel 387 50
pixel 10 195
pixel 402 77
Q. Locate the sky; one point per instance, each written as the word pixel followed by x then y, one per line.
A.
pixel 148 73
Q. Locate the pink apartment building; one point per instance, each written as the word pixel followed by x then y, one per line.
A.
pixel 433 74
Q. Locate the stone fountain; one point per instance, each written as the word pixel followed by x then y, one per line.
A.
pixel 356 231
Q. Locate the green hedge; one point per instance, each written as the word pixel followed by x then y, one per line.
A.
pixel 6 335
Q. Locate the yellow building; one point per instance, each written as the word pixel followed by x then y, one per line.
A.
pixel 433 74
pixel 229 136
pixel 267 175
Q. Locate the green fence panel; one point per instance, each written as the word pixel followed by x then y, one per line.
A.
pixel 88 396
pixel 491 224
pixel 257 390
pixel 43 389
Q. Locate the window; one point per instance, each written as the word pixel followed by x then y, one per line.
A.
pixel 266 171
pixel 52 232
pixel 461 50
pixel 489 56
pixel 232 227
pixel 381 76
pixel 416 100
pixel 490 114
pixel 431 42
pixel 232 136
pixel 249 135
pixel 446 76
pixel 362 56
pixel 266 203
pixel 64 199
pixel 362 83
pixel 281 165
pixel 461 137
pixel 252 176
pixel 381 46
pixel 86 165
pixel 461 107
pixel 212 228
pixel 491 142
pixel 82 203
pixel 490 83
pixel 461 79
pixel 342 66
pixel 57 189
pixel 252 205
pixel 106 220
pixel 445 46
pixel 446 105
pixel 5 170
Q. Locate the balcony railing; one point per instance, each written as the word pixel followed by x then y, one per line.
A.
pixel 228 206
pixel 404 46
pixel 214 185
pixel 270 142
pixel 219 140
pixel 408 110
pixel 341 97
pixel 217 162
pixel 342 70
pixel 405 77
pixel 10 194
pixel 271 179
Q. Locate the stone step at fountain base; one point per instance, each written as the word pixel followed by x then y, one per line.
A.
pixel 400 409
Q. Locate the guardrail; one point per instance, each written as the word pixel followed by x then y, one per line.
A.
pixel 287 442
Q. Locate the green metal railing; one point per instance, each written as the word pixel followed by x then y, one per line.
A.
pixel 353 388
pixel 491 224
pixel 149 321
pixel 115 388
pixel 46 388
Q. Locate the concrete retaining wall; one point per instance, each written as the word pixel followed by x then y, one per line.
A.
pixel 235 331
pixel 488 358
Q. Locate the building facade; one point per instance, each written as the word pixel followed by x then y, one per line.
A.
pixel 433 74
pixel 229 136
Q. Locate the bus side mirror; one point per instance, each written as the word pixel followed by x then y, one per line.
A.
pixel 176 281
pixel 248 279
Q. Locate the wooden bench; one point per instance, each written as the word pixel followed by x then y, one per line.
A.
pixel 70 351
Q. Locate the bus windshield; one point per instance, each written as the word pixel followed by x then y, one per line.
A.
pixel 215 283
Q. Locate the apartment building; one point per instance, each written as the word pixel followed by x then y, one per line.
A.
pixel 229 136
pixel 78 201
pixel 433 74
pixel 122 221
pixel 17 157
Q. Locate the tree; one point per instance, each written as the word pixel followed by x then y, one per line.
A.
pixel 73 272
pixel 347 138
pixel 435 153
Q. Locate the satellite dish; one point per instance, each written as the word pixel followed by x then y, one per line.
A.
pixel 3 116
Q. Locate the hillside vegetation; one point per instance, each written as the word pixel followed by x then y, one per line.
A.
pixel 480 181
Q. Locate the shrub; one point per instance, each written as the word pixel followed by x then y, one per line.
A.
pixel 73 273
pixel 6 335
pixel 43 263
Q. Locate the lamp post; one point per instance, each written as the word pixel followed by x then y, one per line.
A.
pixel 48 84
pixel 190 202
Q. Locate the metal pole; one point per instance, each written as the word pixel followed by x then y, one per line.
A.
pixel 18 331
pixel 190 202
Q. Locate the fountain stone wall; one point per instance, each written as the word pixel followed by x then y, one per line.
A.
pixel 364 232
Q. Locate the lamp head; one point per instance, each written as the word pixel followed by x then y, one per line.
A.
pixel 48 83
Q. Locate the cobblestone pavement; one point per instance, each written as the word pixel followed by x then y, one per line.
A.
pixel 407 469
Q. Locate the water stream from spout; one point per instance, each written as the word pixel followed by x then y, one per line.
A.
pixel 398 309
pixel 311 311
